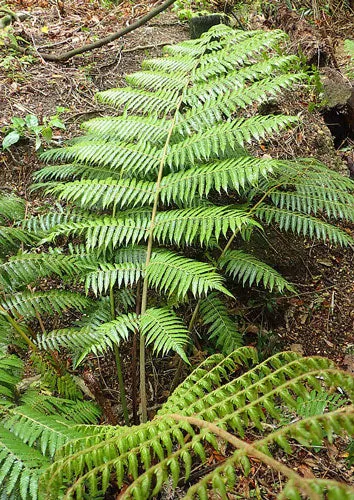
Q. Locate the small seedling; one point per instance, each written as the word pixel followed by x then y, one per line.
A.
pixel 30 127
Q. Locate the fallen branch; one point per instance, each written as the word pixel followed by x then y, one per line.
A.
pixel 104 41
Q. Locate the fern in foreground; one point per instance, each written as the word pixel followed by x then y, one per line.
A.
pixel 231 405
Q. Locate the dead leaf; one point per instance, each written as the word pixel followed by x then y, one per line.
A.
pixel 306 471
pixel 325 262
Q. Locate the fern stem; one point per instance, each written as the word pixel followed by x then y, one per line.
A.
pixel 251 451
pixel 135 358
pixel 123 398
pixel 18 329
pixel 143 399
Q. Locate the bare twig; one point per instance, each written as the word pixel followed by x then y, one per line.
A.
pixel 114 36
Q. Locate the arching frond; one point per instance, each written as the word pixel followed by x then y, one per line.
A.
pixel 128 128
pixel 230 136
pixel 220 401
pixel 20 467
pixel 314 199
pixel 175 226
pixel 107 276
pixel 176 274
pixel 11 370
pixel 248 269
pixel 32 427
pixel 213 111
pixel 222 329
pixel 165 331
pixel 12 237
pixel 117 156
pixel 42 223
pixel 237 79
pixel 29 304
pixel 303 224
pixel 12 208
pixel 25 268
pixel 90 339
pixel 79 412
pixel 233 173
pixel 139 100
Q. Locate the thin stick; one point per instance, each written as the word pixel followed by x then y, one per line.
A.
pixel 118 359
pixel 110 38
pixel 18 329
pixel 135 359
pixel 143 400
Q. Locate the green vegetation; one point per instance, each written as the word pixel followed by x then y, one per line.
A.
pixel 156 205
pixel 223 396
pixel 29 127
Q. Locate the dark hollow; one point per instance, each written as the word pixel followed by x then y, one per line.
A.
pixel 200 24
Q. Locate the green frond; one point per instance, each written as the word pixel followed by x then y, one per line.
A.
pixel 29 304
pixel 11 370
pixel 74 171
pixel 200 224
pixel 176 274
pixel 12 237
pixel 210 374
pixel 128 128
pixel 165 331
pixel 47 432
pixel 90 338
pixel 314 199
pixel 20 467
pixel 141 101
pixel 40 224
pixel 25 268
pixel 108 275
pixel 237 79
pixel 12 208
pixel 222 394
pixel 227 137
pixel 248 269
pixel 222 329
pixel 316 402
pixel 106 193
pixel 155 80
pixel 213 111
pixel 55 377
pixel 233 173
pixel 183 186
pixel 99 312
pixel 118 156
pixel 79 412
pixel 299 223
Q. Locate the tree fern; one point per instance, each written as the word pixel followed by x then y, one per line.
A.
pixel 228 399
pixel 159 198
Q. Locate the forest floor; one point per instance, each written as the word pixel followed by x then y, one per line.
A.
pixel 319 320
